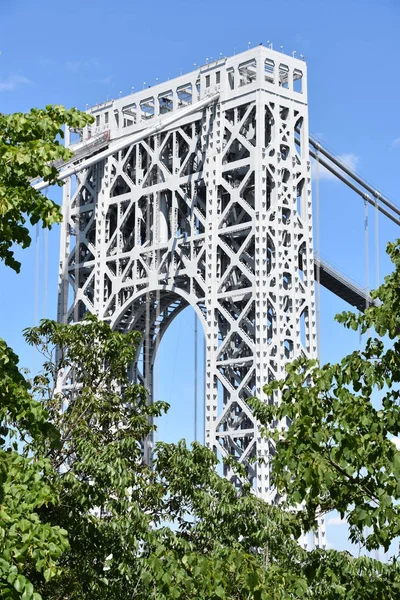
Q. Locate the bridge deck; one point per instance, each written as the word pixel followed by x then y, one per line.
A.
pixel 341 286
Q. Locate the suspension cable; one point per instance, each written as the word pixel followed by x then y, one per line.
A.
pixel 195 377
pixel 36 292
pixel 366 263
pixel 366 251
pixel 45 265
pixel 318 241
pixel 376 245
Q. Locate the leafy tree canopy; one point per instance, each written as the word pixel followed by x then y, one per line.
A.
pixel 176 529
pixel 29 149
pixel 337 452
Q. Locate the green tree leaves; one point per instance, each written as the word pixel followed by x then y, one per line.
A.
pixel 29 546
pixel 30 149
pixel 337 452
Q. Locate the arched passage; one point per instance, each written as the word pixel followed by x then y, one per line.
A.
pixel 178 372
pixel 151 313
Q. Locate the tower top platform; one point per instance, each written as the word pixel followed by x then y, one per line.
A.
pixel 256 68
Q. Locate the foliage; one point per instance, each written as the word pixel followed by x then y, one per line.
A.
pixel 24 538
pixel 29 149
pixel 337 452
pixel 178 529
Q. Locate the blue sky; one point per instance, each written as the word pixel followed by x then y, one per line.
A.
pixel 85 52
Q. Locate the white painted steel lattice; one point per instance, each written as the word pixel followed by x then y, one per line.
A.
pixel 212 209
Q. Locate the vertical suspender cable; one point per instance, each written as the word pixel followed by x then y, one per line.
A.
pixel 317 218
pixel 37 258
pixel 45 269
pixel 366 261
pixel 195 377
pixel 36 301
pixel 366 258
pixel 45 266
pixel 376 245
pixel 146 342
pixel 318 244
pixel 204 386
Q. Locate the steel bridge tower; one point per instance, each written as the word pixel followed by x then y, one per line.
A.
pixel 197 192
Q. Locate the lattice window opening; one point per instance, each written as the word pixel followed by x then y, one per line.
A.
pixel 247 72
pixel 283 112
pixel 235 419
pixel 284 151
pixel 182 148
pixel 194 164
pixel 269 70
pixel 284 76
pixel 233 375
pixel 128 230
pixel 230 118
pixel 249 130
pixel 287 304
pixel 247 255
pixel 286 215
pixel 119 187
pixel 184 219
pixel 299 135
pixel 248 191
pixel 285 175
pixel 271 258
pixel 236 280
pixel 305 329
pixel 165 214
pixel 247 323
pixel 84 197
pixel 236 176
pixel 89 292
pixel 224 198
pixel 166 155
pixel 271 323
pixel 145 217
pixel 199 198
pixel 231 78
pixel 286 280
pixel 249 388
pixel 185 95
pixel 129 113
pixel 288 348
pixel 235 215
pixel 235 347
pixel 91 235
pixel 302 257
pixel 270 187
pixel 300 196
pixel 111 222
pixel 236 151
pixel 298 81
pixel 166 102
pixel 269 126
pixel 79 312
pixel 147 108
pixel 286 238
